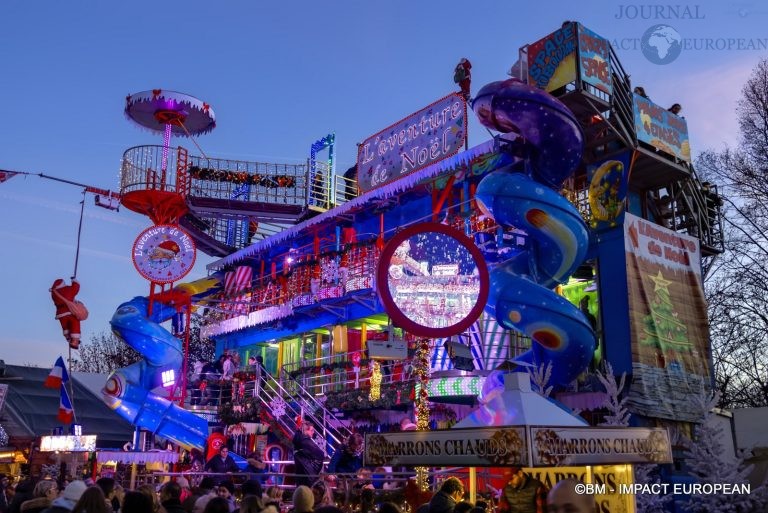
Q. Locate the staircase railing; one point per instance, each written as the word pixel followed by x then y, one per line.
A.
pixel 622 103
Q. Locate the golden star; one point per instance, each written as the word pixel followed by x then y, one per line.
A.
pixel 661 282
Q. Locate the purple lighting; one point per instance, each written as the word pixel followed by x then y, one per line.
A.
pixel 166 144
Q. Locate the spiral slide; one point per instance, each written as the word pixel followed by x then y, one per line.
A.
pixel 521 297
pixel 128 391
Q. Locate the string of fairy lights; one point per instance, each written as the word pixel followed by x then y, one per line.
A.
pixel 422 403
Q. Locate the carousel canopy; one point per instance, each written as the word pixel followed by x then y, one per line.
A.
pixel 31 409
pixel 515 404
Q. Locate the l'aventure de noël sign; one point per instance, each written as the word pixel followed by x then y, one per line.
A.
pixel 434 133
pixel 524 446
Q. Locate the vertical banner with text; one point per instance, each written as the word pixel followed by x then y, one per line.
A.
pixel 595 60
pixel 668 321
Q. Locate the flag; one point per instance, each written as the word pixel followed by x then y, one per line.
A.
pixel 65 407
pixel 58 375
pixel 6 175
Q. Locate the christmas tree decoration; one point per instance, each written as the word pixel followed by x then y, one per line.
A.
pixel 663 327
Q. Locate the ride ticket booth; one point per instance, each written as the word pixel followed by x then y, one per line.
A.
pixel 518 428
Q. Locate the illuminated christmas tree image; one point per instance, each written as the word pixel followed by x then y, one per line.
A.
pixel 662 327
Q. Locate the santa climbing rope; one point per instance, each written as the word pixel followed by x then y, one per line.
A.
pixel 69 311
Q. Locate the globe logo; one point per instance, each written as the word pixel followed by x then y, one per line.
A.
pixel 661 44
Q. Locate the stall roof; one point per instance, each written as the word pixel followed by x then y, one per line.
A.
pixel 32 409
pixel 517 405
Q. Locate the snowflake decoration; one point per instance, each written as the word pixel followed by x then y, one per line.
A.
pixel 329 270
pixel 319 441
pixel 3 437
pixel 278 407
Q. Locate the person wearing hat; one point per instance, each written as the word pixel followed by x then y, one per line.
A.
pixel 63 296
pixel 65 502
pixel 303 500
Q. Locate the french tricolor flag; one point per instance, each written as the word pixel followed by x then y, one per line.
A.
pixel 58 375
pixel 65 407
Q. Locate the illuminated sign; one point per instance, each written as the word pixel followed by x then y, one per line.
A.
pixel 430 135
pixel 68 443
pixel 661 129
pixel 163 253
pixel 417 292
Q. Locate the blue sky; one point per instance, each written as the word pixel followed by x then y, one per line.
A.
pixel 279 75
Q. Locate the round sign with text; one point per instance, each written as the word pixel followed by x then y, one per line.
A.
pixel 164 253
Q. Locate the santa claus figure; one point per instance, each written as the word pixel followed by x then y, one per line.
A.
pixel 63 296
pixel 463 76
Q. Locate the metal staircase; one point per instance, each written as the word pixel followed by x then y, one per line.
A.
pixel 285 402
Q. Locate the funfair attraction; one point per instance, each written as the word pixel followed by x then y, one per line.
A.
pixel 413 284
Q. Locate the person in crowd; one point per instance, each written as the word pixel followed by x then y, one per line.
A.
pixel 149 490
pixel 256 466
pixel 640 91
pixel 463 507
pixel 210 493
pixel 222 463
pixel 170 497
pixel 226 491
pixel 93 501
pixel 349 458
pixel 307 456
pixel 42 497
pixel 23 492
pixel 253 504
pixel 523 494
pixel 367 500
pixel 274 495
pixel 251 487
pixel 4 502
pixel 107 485
pixel 203 489
pixel 675 109
pixel 363 479
pixel 562 498
pixel 186 491
pixel 137 502
pixel 217 505
pixel 389 507
pixel 322 494
pixel 303 500
pixel 66 501
pixel 450 492
pixel 228 368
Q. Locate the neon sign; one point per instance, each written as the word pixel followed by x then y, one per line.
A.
pixel 430 135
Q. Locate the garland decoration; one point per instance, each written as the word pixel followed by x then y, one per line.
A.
pixel 241 177
pixel 393 396
pixel 422 402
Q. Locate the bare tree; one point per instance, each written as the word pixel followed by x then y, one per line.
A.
pixel 737 284
pixel 104 353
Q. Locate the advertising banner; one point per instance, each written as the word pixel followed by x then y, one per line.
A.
pixel 661 129
pixel 430 135
pixel 668 321
pixel 594 60
pixel 608 190
pixel 552 59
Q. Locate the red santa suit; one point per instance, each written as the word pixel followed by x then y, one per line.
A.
pixel 70 325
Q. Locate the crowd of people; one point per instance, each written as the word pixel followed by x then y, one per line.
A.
pixel 211 381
